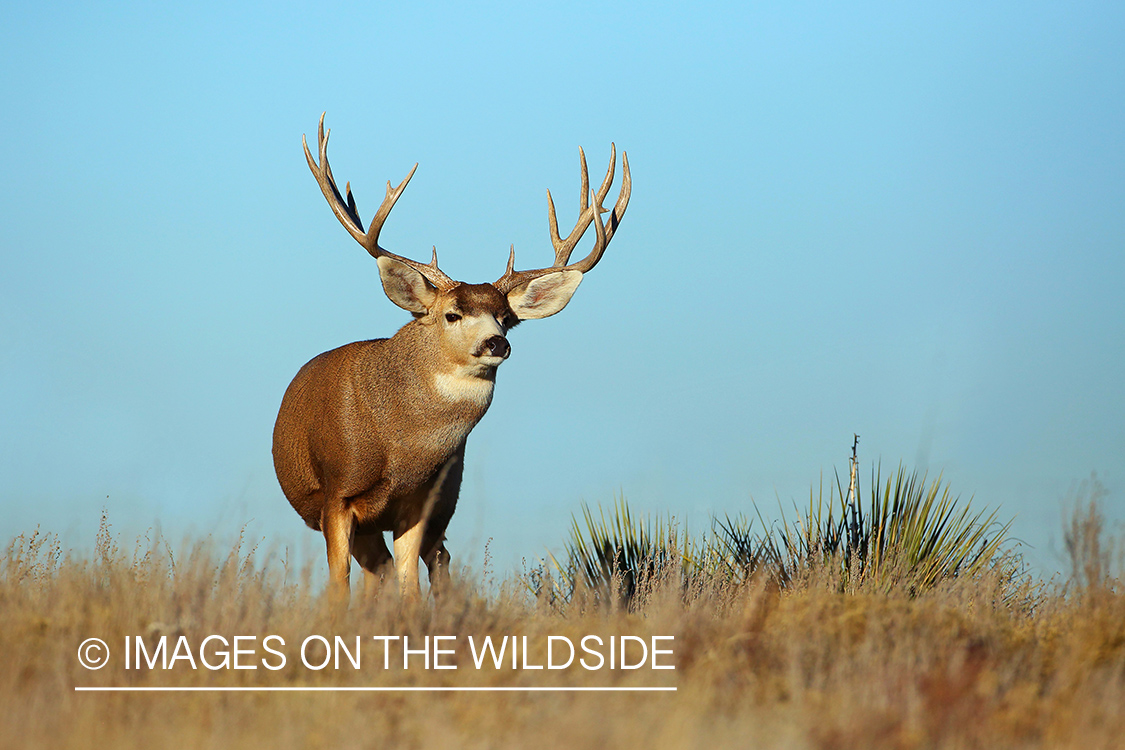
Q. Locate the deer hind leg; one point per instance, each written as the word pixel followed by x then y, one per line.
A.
pixel 370 551
pixel 338 524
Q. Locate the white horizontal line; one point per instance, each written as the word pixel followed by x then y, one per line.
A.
pixel 298 689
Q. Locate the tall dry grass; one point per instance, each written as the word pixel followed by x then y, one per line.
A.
pixel 985 660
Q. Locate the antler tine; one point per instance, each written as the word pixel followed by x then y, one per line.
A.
pixel 622 198
pixel 584 200
pixel 564 247
pixel 323 177
pixel 595 255
pixel 347 213
pixel 385 209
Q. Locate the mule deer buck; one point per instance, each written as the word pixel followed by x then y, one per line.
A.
pixel 370 437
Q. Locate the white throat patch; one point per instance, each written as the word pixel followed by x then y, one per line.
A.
pixel 462 385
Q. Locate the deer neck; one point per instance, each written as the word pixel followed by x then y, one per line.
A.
pixel 465 384
pixel 458 385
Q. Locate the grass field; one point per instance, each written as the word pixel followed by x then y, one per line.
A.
pixel 828 655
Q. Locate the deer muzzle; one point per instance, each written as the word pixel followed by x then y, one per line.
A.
pixel 495 346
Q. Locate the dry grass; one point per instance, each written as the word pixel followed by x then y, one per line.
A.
pixel 987 661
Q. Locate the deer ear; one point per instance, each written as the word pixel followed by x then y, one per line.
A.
pixel 544 296
pixel 406 287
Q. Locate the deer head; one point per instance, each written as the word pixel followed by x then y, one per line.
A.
pixel 473 318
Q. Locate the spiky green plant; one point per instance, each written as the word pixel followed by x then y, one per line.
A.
pixel 918 530
pixel 913 532
pixel 612 557
pixel 737 552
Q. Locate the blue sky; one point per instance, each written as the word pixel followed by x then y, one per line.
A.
pixel 878 219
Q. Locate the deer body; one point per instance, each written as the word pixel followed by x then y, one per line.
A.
pixel 354 398
pixel 366 431
pixel 370 437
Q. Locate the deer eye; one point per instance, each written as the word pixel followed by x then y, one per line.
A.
pixel 452 317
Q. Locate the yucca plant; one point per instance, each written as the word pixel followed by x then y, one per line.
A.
pixel 918 530
pixel 912 532
pixel 737 552
pixel 614 556
pixel 816 533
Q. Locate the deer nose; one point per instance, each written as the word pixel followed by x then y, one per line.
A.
pixel 497 346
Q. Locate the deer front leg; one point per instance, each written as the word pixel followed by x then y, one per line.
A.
pixel 420 536
pixel 408 545
pixel 338 524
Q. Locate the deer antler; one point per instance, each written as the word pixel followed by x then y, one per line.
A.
pixel 349 216
pixel 587 215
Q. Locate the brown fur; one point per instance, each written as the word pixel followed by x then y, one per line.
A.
pixel 363 435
